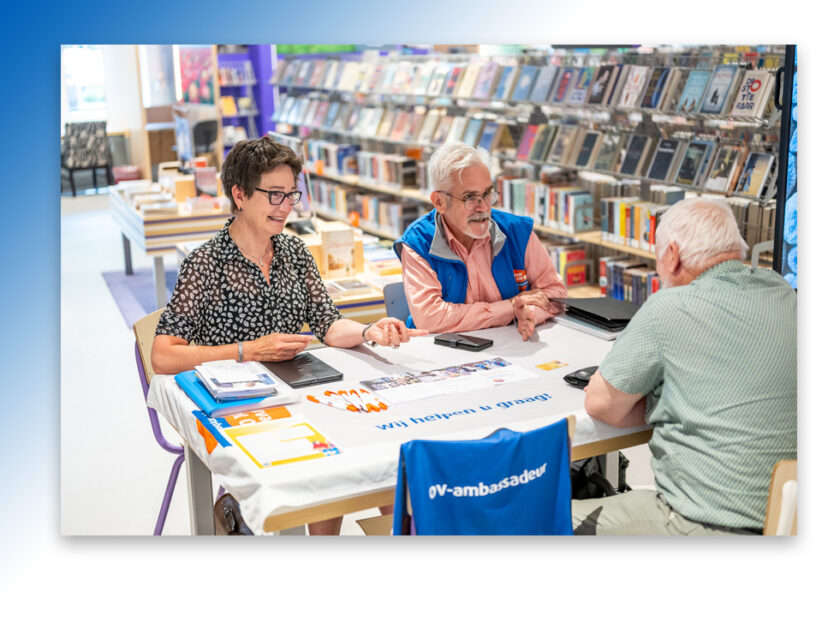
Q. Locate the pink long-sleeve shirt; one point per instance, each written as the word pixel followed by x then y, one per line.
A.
pixel 484 306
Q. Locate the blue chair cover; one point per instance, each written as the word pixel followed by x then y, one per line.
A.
pixel 509 483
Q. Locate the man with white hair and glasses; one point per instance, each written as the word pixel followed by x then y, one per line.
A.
pixel 467 266
pixel 710 363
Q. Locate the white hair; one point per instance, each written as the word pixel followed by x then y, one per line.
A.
pixel 702 228
pixel 448 161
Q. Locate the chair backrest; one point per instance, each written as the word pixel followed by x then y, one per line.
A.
pixel 204 134
pixel 780 515
pixel 396 305
pixel 144 336
pixel 86 144
pixel 509 483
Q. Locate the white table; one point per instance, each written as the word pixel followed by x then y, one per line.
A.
pixel 363 475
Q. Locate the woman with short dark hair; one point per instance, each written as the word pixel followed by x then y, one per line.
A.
pixel 246 293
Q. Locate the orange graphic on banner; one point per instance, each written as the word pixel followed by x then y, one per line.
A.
pixel 257 416
pixel 210 440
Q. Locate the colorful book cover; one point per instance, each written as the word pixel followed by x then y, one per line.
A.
pixel 455 133
pixel 608 152
pixel 486 82
pixel 505 74
pixel 716 94
pixel 725 168
pixel 564 85
pixel 542 142
pixel 634 86
pixel 505 87
pixel 564 144
pixel 453 80
pixel 525 83
pixel 692 163
pixel 438 79
pixel 527 141
pixel 422 78
pixel 582 83
pixel 469 80
pixel 543 83
pixel 753 93
pixel 655 89
pixel 614 87
pixel 472 131
pixel 488 137
pixel 755 174
pixel 442 129
pixel 599 87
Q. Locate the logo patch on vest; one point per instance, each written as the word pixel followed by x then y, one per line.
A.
pixel 521 278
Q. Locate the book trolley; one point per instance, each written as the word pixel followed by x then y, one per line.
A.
pixel 593 144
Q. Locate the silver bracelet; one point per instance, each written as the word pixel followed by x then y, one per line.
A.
pixel 370 343
pixel 239 352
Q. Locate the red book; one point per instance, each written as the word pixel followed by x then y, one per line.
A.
pixel 528 136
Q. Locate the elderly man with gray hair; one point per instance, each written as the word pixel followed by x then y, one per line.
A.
pixel 710 363
pixel 467 266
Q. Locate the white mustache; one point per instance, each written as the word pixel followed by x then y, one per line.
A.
pixel 479 217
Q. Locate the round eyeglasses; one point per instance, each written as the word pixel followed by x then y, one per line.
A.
pixel 276 198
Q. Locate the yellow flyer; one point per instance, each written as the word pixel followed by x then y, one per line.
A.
pixel 278 442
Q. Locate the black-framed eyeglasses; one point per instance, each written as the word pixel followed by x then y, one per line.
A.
pixel 471 201
pixel 276 198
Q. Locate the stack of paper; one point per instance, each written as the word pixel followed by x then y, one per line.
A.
pixel 229 380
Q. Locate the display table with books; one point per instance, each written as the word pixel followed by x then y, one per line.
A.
pixel 308 460
pixel 153 219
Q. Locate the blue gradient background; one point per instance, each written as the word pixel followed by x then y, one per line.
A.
pixel 48 580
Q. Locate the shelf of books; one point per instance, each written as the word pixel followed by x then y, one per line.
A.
pixel 238 105
pixel 593 145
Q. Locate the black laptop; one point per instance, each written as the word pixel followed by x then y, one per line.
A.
pixel 304 369
pixel 603 312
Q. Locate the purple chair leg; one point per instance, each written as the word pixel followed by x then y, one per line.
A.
pixel 172 481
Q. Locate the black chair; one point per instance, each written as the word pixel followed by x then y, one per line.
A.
pixel 86 148
pixel 205 135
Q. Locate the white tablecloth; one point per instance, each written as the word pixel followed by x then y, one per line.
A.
pixel 369 443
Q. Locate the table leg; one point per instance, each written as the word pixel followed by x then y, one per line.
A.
pixel 612 468
pixel 200 495
pixel 127 254
pixel 160 282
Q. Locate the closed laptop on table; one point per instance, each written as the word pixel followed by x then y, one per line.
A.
pixel 603 312
pixel 304 369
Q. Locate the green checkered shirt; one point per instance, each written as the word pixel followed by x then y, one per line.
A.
pixel 717 359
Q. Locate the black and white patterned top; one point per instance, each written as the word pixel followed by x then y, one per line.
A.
pixel 222 298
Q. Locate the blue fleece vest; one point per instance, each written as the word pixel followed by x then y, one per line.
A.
pixel 451 271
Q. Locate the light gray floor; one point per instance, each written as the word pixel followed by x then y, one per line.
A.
pixel 113 473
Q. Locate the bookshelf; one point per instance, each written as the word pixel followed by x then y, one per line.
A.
pixel 394 105
pixel 246 103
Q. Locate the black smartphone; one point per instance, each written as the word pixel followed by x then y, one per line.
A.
pixel 581 377
pixel 466 342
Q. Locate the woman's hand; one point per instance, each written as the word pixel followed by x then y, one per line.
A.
pixel 389 331
pixel 275 347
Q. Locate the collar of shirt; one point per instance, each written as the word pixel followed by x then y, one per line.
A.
pixel 723 268
pixel 446 246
